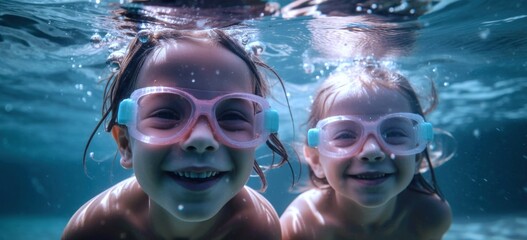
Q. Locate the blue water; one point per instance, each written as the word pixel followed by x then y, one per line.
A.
pixel 50 97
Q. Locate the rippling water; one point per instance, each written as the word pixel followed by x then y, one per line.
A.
pixel 52 62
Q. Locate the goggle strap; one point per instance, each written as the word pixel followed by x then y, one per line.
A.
pixel 272 120
pixel 313 137
pixel 125 112
pixel 426 131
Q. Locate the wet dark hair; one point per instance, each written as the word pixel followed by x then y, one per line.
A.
pixel 122 82
pixel 362 79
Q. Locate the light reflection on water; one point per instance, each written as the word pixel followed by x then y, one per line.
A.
pixel 475 52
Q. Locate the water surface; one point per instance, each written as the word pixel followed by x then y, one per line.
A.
pixel 50 97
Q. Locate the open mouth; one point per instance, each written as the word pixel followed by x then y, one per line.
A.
pixel 370 176
pixel 196 181
pixel 197 175
pixel 371 179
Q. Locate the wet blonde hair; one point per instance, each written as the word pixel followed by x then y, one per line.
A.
pixel 360 79
pixel 121 83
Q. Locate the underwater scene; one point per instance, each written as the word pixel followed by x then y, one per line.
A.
pixel 57 54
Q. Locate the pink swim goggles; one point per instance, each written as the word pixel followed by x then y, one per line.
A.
pixel 165 115
pixel 397 133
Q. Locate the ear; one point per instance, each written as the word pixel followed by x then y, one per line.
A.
pixel 312 157
pixel 121 137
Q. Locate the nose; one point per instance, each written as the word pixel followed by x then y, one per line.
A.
pixel 371 150
pixel 201 138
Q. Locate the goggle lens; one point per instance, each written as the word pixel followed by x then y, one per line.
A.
pixel 161 115
pixel 341 134
pixel 398 133
pixel 239 119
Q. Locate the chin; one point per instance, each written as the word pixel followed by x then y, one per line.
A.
pixel 197 213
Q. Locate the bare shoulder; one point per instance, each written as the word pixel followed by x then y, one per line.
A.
pixel 113 213
pixel 431 215
pixel 304 218
pixel 249 215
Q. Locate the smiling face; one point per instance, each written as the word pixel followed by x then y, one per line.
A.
pixel 194 178
pixel 373 176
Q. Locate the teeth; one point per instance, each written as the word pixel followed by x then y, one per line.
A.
pixel 189 174
pixel 371 176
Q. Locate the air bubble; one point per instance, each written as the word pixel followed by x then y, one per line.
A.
pixel 484 34
pixel 143 36
pixel 116 56
pixel 180 207
pixel 108 37
pixel 8 107
pixel 392 156
pixel 308 68
pixel 114 46
pixel 114 60
pixel 114 66
pixel 476 133
pixel 245 39
pixel 96 38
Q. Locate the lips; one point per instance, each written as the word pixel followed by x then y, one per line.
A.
pixel 196 180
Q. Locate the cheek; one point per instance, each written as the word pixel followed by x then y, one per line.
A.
pixel 243 162
pixel 335 174
pixel 333 168
pixel 244 158
pixel 406 165
pixel 145 155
